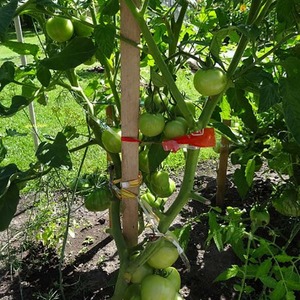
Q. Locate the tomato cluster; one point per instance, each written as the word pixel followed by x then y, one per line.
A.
pixel 157 278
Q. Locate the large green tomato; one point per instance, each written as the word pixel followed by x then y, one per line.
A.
pixel 153 201
pixel 144 161
pixel 161 185
pixel 59 29
pixel 140 272
pixel 82 29
pixel 163 257
pixel 259 217
pixel 175 128
pixel 155 287
pixel 151 124
pixel 210 82
pixel 156 104
pixel 99 199
pixel 133 292
pixel 111 139
pixel 173 275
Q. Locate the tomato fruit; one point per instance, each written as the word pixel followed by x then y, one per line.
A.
pixel 210 82
pixel 133 292
pixel 153 201
pixel 155 287
pixel 90 61
pixel 111 139
pixel 99 199
pixel 259 217
pixel 175 128
pixel 151 124
pixel 173 276
pixel 59 29
pixel 143 161
pixel 163 257
pixel 140 273
pixel 190 106
pixel 161 185
pixel 82 29
pixel 155 103
pixel 178 297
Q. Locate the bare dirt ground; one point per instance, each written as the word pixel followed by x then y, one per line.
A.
pixel 91 261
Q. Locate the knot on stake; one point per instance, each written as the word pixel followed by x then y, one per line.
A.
pixel 124 192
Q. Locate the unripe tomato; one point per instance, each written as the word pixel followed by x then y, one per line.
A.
pixel 173 275
pixel 111 139
pixel 90 61
pixel 81 29
pixel 161 185
pixel 163 257
pixel 99 199
pixel 140 273
pixel 153 201
pixel 151 124
pixel 143 161
pixel 210 82
pixel 175 128
pixel 59 29
pixel 133 292
pixel 156 104
pixel 190 106
pixel 158 288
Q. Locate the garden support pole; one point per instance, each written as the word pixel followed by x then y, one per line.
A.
pixel 130 99
pixel 18 28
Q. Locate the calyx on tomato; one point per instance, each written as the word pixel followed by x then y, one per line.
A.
pixel 259 216
pixel 210 82
pixel 59 29
pixel 99 199
pixel 161 185
pixel 151 124
pixel 158 288
pixel 111 139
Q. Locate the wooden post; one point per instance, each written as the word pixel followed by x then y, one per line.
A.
pixel 130 99
pixel 222 170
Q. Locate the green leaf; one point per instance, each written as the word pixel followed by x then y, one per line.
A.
pixel 7 13
pixel 7 74
pixel 6 175
pixel 17 103
pixel 105 36
pixel 79 50
pixel 225 109
pixel 268 95
pixel 43 75
pixel 215 231
pixel 229 273
pixel 264 268
pixel 3 150
pixel 22 48
pixel 250 171
pixel 286 12
pixel 225 130
pixel 157 79
pixel 283 258
pixel 55 155
pixel 8 206
pixel 183 235
pixel 241 182
pixel 268 281
pixel 156 156
pixel 279 291
pixel 290 295
pixel 111 7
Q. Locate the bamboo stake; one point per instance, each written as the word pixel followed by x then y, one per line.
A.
pixel 130 87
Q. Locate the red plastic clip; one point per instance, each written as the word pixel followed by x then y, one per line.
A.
pixel 202 138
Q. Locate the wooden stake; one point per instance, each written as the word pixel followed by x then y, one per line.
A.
pixel 130 99
pixel 222 170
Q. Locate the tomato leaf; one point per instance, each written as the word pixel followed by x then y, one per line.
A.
pixel 241 182
pixel 55 155
pixel 249 171
pixel 105 38
pixel 43 75
pixel 229 273
pixel 156 156
pixel 3 150
pixel 17 103
pixel 7 74
pixel 79 50
pixel 7 13
pixel 22 48
pixel 225 130
pixel 111 7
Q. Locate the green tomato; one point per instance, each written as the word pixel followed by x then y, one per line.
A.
pixel 140 273
pixel 111 139
pixel 173 275
pixel 175 128
pixel 161 185
pixel 259 217
pixel 163 257
pixel 190 106
pixel 153 201
pixel 99 199
pixel 90 61
pixel 151 124
pixel 210 82
pixel 133 292
pixel 82 29
pixel 143 161
pixel 156 104
pixel 155 287
pixel 59 29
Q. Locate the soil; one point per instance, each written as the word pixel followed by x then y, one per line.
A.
pixel 91 260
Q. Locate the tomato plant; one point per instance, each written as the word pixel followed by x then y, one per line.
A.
pixel 210 82
pixel 111 139
pixel 164 257
pixel 151 124
pixel 161 184
pixel 157 287
pixel 99 199
pixel 59 29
